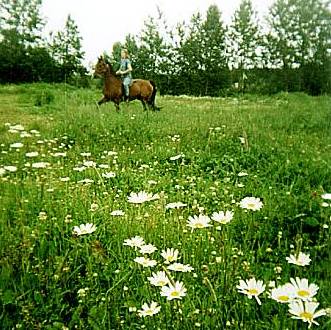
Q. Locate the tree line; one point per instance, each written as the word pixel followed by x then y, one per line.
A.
pixel 26 55
pixel 289 51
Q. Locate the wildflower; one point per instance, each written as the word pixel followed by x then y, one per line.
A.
pixel 85 154
pixel 85 181
pixel 16 145
pixel 79 168
pixel 242 140
pixel 32 154
pixel 301 259
pixel 305 311
pixel 283 294
pixel 175 205
pixel 117 213
pixel 326 196
pixel 177 157
pixel 178 267
pixel 197 222
pixel 147 249
pixel 159 279
pixel 251 288
pixel 170 255
pixel 149 310
pixel 2 171
pixel 65 179
pixel 17 127
pixel 40 165
pixel 151 182
pixel 176 291
pixel 108 175
pixel 242 174
pixel 104 166
pixel 84 229
pixel 141 197
pixel 10 168
pixel 302 290
pixel 251 203
pixel 59 154
pixel 82 292
pixel 42 216
pixel 135 242
pixel 145 262
pixel 222 217
pixel 94 207
pixel 89 163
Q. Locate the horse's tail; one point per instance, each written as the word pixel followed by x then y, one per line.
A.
pixel 152 99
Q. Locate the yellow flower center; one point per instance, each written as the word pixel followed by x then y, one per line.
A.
pixel 306 315
pixel 303 293
pixel 283 298
pixel 149 312
pixel 161 283
pixel 251 206
pixel 174 294
pixel 199 225
pixel 252 291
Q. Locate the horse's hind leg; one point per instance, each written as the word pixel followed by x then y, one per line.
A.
pixel 144 105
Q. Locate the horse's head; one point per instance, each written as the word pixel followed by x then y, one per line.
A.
pixel 101 67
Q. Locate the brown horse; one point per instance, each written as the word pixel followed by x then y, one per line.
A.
pixel 143 90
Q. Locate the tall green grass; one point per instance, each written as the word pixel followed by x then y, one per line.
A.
pixel 284 149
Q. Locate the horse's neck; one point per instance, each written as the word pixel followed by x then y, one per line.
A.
pixel 110 77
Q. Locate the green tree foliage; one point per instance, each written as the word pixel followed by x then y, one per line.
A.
pixel 298 42
pixel 201 54
pixel 244 46
pixel 66 49
pixel 23 57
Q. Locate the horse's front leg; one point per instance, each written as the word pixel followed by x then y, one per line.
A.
pixel 103 100
pixel 117 105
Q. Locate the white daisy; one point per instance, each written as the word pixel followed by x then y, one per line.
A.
pixel 40 165
pixel 306 311
pixel 178 267
pixel 301 259
pixel 84 229
pixel 10 168
pixel 16 145
pixel 108 175
pixel 302 289
pixel 145 262
pixel 283 294
pixel 176 157
pixel 251 288
pixel 251 203
pixel 147 249
pixel 326 196
pixel 141 197
pixel 175 205
pixel 117 213
pixel 170 255
pixel 222 217
pixel 198 222
pixel 176 291
pixel 135 242
pixel 159 279
pixel 32 154
pixel 151 310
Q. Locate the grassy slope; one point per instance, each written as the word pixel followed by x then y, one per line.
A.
pixel 287 156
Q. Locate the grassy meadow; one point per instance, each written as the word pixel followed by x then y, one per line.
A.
pixel 64 163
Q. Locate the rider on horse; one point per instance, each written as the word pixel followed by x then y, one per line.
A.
pixel 125 72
